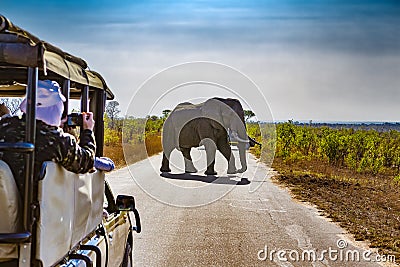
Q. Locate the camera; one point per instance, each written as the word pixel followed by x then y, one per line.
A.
pixel 75 119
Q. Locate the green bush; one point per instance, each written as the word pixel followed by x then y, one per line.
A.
pixel 367 151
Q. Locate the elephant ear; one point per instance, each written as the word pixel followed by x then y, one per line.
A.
pixel 213 109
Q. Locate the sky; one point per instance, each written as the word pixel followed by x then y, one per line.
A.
pixel 326 60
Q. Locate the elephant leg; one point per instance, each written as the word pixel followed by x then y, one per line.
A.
pixel 211 149
pixel 165 161
pixel 225 149
pixel 189 167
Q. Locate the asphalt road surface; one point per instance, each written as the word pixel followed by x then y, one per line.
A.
pixel 237 220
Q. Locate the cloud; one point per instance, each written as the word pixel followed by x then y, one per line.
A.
pixel 321 60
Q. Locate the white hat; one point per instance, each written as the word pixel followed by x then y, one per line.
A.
pixel 49 103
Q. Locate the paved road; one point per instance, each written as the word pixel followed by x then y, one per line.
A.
pixel 238 229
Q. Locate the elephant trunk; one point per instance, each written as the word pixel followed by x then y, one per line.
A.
pixel 241 137
pixel 242 155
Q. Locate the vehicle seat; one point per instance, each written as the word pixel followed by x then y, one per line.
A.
pixel 10 207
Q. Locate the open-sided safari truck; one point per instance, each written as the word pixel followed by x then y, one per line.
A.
pixel 59 219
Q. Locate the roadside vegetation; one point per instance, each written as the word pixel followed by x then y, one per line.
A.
pixel 353 176
pixel 138 137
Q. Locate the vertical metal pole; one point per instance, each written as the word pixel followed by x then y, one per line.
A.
pixel 99 134
pixel 27 252
pixel 30 136
pixel 65 91
pixel 85 99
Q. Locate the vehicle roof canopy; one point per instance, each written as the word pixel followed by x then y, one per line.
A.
pixel 20 49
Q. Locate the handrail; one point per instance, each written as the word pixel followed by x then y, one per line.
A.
pixel 14 237
pixel 17 147
pixel 86 259
pixel 96 250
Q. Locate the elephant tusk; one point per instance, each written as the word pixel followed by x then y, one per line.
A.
pixel 237 138
pixel 242 140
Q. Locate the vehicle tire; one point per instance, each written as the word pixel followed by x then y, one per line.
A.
pixel 127 261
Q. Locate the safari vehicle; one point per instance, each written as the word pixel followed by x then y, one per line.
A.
pixel 59 219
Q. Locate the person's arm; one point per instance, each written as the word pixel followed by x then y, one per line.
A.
pixel 79 158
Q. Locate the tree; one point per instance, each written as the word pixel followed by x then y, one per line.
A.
pixel 248 114
pixel 112 112
pixel 166 112
pixel 12 104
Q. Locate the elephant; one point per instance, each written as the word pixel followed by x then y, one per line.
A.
pixel 208 123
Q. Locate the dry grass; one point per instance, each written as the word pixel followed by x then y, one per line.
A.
pixel 135 152
pixel 367 206
pixel 153 144
pixel 115 153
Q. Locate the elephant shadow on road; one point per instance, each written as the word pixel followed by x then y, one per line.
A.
pixel 206 179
